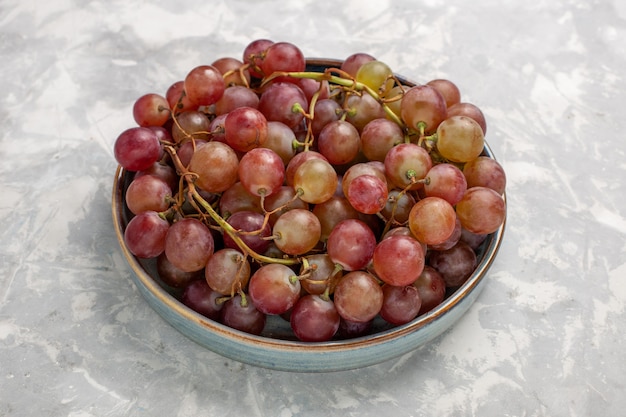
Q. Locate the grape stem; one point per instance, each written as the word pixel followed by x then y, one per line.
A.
pixel 196 198
pixel 344 80
pixel 234 234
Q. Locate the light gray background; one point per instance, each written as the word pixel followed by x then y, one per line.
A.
pixel 544 338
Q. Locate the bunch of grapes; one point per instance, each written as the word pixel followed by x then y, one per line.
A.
pixel 330 198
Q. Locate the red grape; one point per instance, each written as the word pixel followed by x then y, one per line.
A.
pixel 297 231
pixel 199 297
pixel 232 72
pixel 253 55
pixel 151 110
pixel 204 85
pixel 339 142
pixel 353 62
pixel 272 289
pixel 173 276
pixel 367 194
pixel 284 102
pixel 216 166
pixel 282 56
pixel 432 289
pixel 351 244
pixel 469 110
pixel 227 271
pixel 407 163
pixel 254 233
pixel 455 264
pixel 245 128
pixel 148 193
pixel 445 181
pixel 145 234
pixel 432 220
pixel 401 304
pixel 449 90
pixel 481 210
pixel 314 319
pixel 261 172
pixel 242 315
pixel 425 105
pixel 189 244
pixel 485 172
pixel 137 148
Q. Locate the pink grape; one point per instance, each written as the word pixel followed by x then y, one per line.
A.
pixel 282 56
pixel 481 210
pixel 339 142
pixel 189 244
pixel 237 198
pixel 235 97
pixel 191 124
pixel 353 62
pixel 282 201
pixel 280 139
pixel 398 260
pixel 322 276
pixel 177 99
pixel 232 72
pixel 378 137
pixel 151 110
pixel 284 102
pixel 331 212
pixel 362 109
pixel 358 297
pixel 163 171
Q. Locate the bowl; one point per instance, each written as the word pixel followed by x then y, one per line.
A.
pixel 276 347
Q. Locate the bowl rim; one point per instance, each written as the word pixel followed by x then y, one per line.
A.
pixel 165 303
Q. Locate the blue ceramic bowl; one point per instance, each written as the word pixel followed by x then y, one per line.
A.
pixel 276 347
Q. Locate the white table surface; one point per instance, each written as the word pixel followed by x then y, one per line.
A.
pixel 545 338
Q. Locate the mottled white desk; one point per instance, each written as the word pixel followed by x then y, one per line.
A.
pixel 545 338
